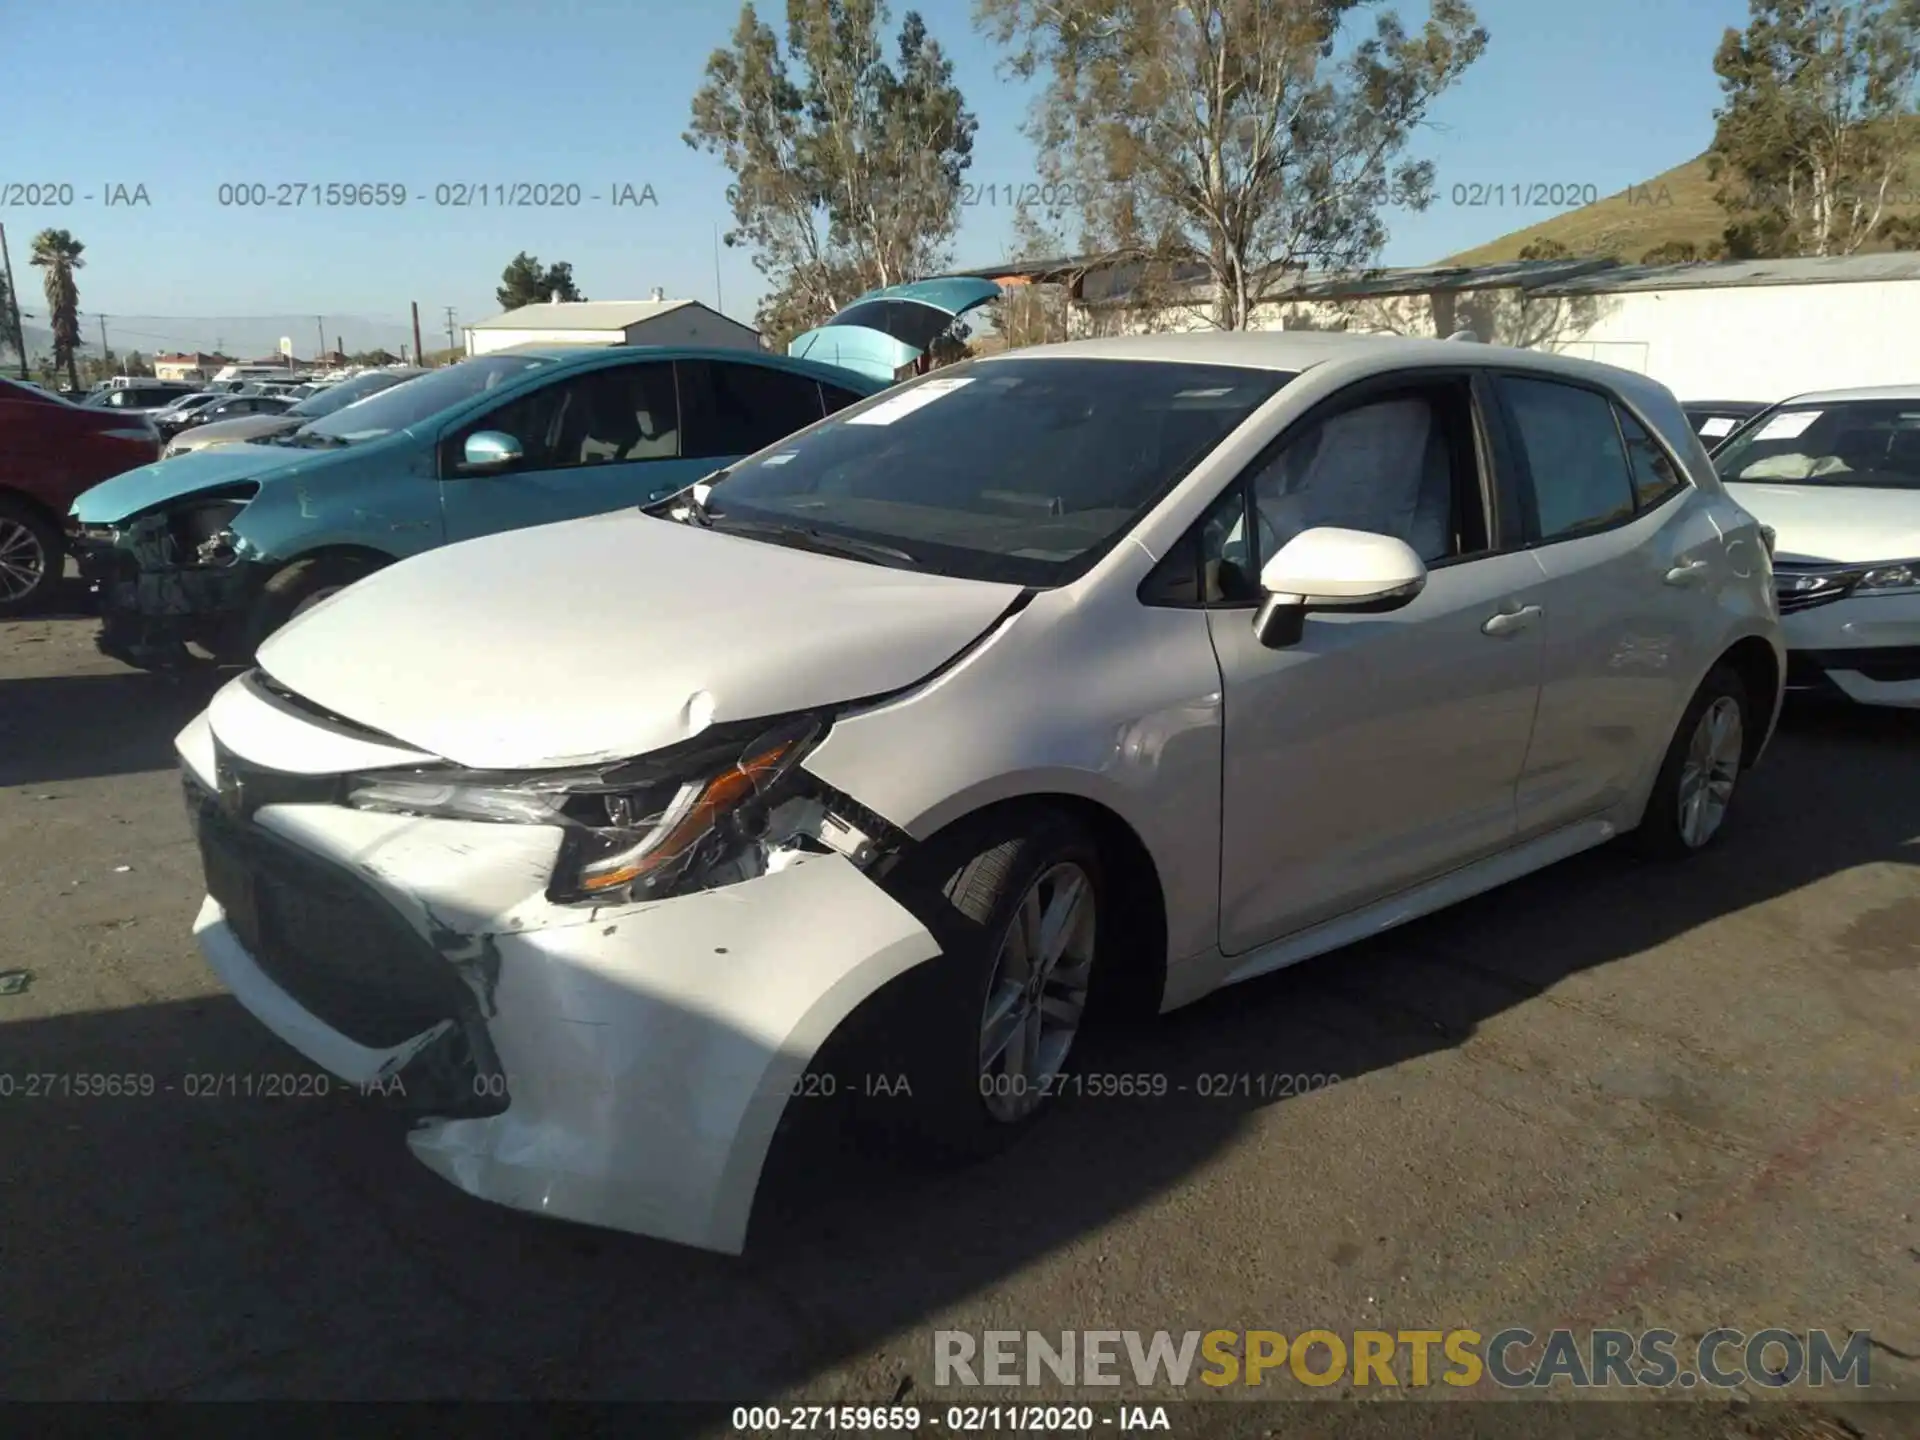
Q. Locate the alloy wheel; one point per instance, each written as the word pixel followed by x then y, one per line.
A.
pixel 1038 992
pixel 1707 776
pixel 23 563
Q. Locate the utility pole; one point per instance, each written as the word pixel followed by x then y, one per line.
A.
pixel 13 299
pixel 716 270
pixel 417 351
pixel 450 340
pixel 320 326
pixel 103 342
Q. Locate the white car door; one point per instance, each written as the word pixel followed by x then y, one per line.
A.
pixel 1378 750
pixel 1631 556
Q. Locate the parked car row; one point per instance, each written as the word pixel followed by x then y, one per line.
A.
pixel 619 727
pixel 265 417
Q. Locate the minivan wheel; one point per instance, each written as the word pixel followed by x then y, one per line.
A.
pixel 982 1034
pixel 31 557
pixel 1697 780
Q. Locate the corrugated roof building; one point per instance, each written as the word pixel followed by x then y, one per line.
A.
pixel 611 322
pixel 1754 330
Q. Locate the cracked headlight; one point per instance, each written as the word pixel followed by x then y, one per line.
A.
pixel 641 829
pixel 1894 579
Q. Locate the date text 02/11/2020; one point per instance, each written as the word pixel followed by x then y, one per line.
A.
pixel 199 1085
pixel 455 194
pixel 954 1419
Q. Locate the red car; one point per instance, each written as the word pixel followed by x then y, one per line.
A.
pixel 51 450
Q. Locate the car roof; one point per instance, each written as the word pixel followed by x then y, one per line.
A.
pixel 586 356
pixel 1867 392
pixel 1297 350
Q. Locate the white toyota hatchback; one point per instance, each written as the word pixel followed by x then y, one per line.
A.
pixel 1117 670
pixel 1837 476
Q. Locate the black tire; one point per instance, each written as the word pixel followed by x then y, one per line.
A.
pixel 964 886
pixel 293 586
pixel 1661 834
pixel 29 542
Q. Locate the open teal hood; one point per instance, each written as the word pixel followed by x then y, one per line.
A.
pixel 888 330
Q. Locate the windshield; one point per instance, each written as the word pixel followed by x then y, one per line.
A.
pixel 338 397
pixel 404 405
pixel 1873 444
pixel 1023 470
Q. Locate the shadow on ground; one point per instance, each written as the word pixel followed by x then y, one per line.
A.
pixel 224 1245
pixel 76 727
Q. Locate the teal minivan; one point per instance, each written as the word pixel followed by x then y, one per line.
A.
pixel 203 556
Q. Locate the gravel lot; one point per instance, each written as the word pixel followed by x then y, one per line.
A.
pixel 1611 1094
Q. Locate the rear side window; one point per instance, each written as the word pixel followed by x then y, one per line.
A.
pixel 1654 476
pixel 1574 454
pixel 730 410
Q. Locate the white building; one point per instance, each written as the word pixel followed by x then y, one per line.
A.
pixel 612 322
pixel 1730 330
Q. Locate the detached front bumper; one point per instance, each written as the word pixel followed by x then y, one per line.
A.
pixel 622 1066
pixel 1866 650
pixel 150 609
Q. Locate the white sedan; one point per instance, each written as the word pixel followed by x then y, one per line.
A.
pixel 1837 477
pixel 1114 671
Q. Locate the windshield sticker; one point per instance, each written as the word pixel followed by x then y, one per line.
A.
pixel 888 411
pixel 1718 425
pixel 1788 427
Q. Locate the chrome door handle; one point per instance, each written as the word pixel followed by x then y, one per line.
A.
pixel 1511 622
pixel 1691 573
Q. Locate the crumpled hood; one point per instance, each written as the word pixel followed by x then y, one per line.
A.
pixel 610 637
pixel 1835 523
pixel 124 496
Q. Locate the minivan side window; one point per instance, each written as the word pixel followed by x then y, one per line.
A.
pixel 1578 465
pixel 734 409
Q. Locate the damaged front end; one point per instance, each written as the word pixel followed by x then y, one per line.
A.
pixel 173 580
pixel 728 806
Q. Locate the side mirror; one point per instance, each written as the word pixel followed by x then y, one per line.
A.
pixel 1328 569
pixel 492 450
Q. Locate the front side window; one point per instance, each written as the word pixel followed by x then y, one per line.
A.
pixel 1384 467
pixel 1022 470
pixel 734 409
pixel 1873 444
pixel 1574 455
pixel 618 417
pixel 1399 465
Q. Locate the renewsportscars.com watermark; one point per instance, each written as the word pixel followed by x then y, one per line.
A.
pixel 1514 1358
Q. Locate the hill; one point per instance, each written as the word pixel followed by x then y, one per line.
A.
pixel 1676 205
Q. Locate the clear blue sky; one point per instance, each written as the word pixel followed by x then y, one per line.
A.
pixel 183 96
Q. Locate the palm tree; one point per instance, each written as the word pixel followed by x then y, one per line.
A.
pixel 58 253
